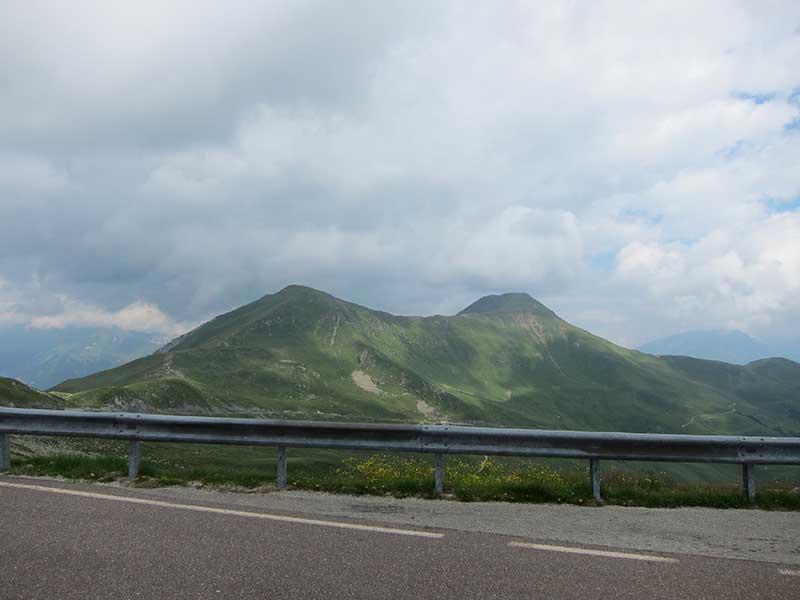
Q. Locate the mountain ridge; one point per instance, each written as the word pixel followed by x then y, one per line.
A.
pixel 17 394
pixel 732 346
pixel 506 360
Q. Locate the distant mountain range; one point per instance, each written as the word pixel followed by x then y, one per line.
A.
pixel 44 357
pixel 728 346
pixel 505 360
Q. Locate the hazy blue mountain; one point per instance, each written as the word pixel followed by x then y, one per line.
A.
pixel 727 346
pixel 44 357
pixel 786 347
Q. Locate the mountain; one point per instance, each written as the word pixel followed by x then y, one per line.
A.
pixel 16 394
pixel 785 347
pixel 43 357
pixel 729 346
pixel 506 360
pixel 508 304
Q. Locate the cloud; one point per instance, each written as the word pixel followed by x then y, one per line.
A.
pixel 138 316
pixel 158 76
pixel 181 160
pixel 37 308
pixel 749 275
pixel 513 248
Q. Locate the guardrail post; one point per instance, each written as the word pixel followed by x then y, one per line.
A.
pixel 281 483
pixel 438 476
pixel 749 481
pixel 594 475
pixel 134 454
pixel 5 452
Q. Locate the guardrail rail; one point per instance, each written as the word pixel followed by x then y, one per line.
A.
pixel 433 439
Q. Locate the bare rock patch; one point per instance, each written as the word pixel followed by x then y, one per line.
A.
pixel 365 382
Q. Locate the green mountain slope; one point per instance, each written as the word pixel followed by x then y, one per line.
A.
pixel 16 394
pixel 505 360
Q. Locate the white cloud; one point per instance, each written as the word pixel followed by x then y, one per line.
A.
pixel 37 308
pixel 518 246
pixel 614 159
pixel 138 316
pixel 744 277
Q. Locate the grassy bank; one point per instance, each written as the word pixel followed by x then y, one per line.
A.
pixel 469 479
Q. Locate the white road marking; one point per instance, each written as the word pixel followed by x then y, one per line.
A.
pixel 572 550
pixel 226 511
pixel 789 572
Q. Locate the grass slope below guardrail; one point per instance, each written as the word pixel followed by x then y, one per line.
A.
pixel 403 476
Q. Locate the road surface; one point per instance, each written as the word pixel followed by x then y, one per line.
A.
pixel 63 540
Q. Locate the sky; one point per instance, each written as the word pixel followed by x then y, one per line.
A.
pixel 635 166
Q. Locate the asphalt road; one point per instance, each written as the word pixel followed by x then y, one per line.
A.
pixel 62 541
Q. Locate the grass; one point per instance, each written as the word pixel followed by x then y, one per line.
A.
pixel 72 466
pixel 466 479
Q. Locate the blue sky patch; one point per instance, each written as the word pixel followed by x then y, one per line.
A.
pixel 604 260
pixel 756 98
pixel 738 148
pixel 781 206
pixel 642 215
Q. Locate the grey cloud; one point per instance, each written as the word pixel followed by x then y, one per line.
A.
pixel 89 74
pixel 410 156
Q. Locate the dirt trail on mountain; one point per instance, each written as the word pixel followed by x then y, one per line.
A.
pixel 691 421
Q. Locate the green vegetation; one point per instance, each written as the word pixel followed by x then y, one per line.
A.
pixel 401 476
pixel 17 394
pixel 505 361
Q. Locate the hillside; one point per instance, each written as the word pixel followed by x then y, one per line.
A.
pixel 16 394
pixel 504 360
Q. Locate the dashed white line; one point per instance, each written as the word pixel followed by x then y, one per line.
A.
pixel 226 511
pixel 789 572
pixel 606 553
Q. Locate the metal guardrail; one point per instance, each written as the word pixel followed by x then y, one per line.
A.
pixel 436 439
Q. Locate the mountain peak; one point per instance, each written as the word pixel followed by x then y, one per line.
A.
pixel 295 293
pixel 512 302
pixel 297 290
